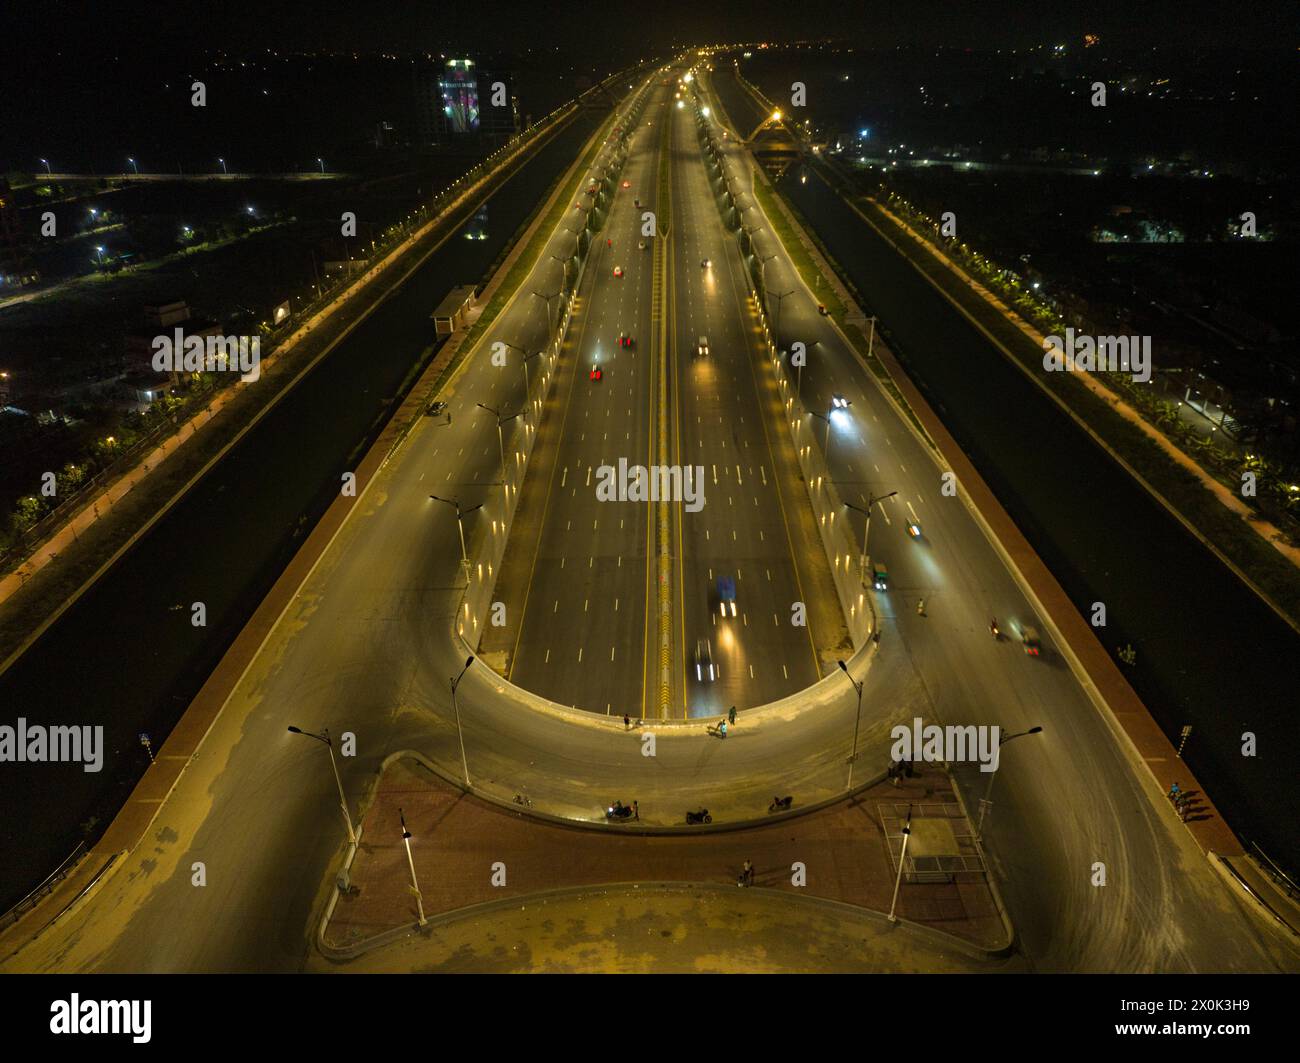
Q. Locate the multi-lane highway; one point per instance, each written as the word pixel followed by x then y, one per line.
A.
pixel 574 576
pixel 369 643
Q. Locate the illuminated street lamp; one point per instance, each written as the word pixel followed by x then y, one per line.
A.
pixel 322 163
pixel 48 171
pixel 223 165
pixel 134 166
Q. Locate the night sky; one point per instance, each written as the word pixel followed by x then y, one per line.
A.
pixel 35 30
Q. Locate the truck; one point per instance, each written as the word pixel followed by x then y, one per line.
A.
pixel 879 574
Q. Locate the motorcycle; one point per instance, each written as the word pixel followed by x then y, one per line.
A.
pixel 780 804
pixel 995 630
pixel 618 810
pixel 702 816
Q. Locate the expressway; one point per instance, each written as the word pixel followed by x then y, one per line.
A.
pixel 573 576
pixel 580 567
pixel 369 641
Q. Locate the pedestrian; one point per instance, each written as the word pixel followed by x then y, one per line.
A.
pixel 920 606
pixel 731 715
pixel 747 874
pixel 722 729
pixel 636 810
pixel 1173 793
pixel 627 723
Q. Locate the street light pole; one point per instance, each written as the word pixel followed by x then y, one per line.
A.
pixel 902 857
pixel 776 322
pixel 460 734
pixel 410 862
pixel 985 801
pixel 857 721
pixel 500 438
pixel 460 514
pixel 324 737
pixel 866 531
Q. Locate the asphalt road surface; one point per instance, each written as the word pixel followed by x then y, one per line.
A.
pixel 369 643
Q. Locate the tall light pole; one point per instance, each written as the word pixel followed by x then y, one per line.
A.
pixel 524 357
pixel 871 503
pixel 48 171
pixel 902 857
pixel 776 323
pixel 501 439
pixel 322 164
pixel 547 299
pixel 871 336
pixel 857 721
pixel 223 165
pixel 461 514
pixel 456 708
pixel 985 801
pixel 135 166
pixel 324 737
pixel 410 862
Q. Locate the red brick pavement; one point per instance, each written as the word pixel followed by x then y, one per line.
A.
pixel 457 839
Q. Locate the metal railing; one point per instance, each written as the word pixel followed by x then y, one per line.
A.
pixel 1279 877
pixel 44 889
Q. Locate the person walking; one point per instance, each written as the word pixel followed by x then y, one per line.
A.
pixel 627 722
pixel 746 874
pixel 636 810
pixel 1173 793
pixel 722 729
pixel 920 606
pixel 731 715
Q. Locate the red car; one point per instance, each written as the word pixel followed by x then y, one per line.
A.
pixel 624 340
pixel 618 271
pixel 595 372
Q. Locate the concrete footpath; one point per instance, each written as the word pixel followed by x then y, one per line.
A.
pixel 468 853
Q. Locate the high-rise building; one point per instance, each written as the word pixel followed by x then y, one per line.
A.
pixel 460 103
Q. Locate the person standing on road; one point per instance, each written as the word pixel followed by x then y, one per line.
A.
pixel 1174 793
pixel 627 722
pixel 722 729
pixel 747 874
pixel 636 810
pixel 731 715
